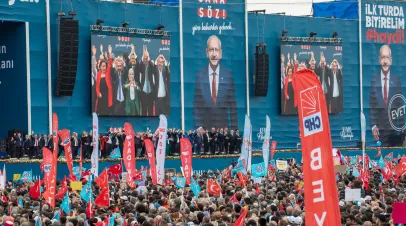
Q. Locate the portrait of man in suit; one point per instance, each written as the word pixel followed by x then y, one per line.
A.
pixel 384 86
pixel 163 83
pixel 119 79
pixel 335 90
pixel 214 98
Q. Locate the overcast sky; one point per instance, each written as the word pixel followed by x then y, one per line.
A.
pixel 290 7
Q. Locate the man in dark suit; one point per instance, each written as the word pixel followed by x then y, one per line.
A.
pixel 161 73
pixel 323 73
pixel 214 98
pixel 335 92
pixel 384 86
pixel 75 144
pixel 213 141
pixel 18 146
pixel 147 84
pixel 118 79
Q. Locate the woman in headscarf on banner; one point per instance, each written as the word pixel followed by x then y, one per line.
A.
pixel 289 107
pixel 104 90
pixel 132 104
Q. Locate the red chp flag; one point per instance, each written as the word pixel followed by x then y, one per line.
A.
pixel 186 157
pixel 129 153
pixel 49 163
pixel 35 191
pixel 273 148
pixel 65 138
pixel 55 134
pixel 320 187
pixel 149 147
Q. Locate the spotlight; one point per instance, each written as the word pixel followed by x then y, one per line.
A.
pixel 312 34
pixel 284 32
pixel 160 27
pixel 99 22
pixel 125 23
pixel 72 13
pixel 61 14
pixel 335 34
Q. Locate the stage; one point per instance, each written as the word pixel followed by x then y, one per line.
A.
pixel 200 163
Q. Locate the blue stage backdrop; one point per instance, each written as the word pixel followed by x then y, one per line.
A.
pixel 383 30
pixel 345 127
pixel 13 77
pixel 214 64
pixel 197 164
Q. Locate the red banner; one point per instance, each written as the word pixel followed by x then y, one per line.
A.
pixel 149 147
pixel 186 157
pixel 55 134
pixel 49 164
pixel 320 186
pixel 65 138
pixel 273 148
pixel 129 153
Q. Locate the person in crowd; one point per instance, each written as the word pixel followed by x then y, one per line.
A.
pixel 84 140
pixel 44 141
pixel 27 146
pixel 104 89
pixel 132 88
pixel 220 141
pixel 213 141
pixel 75 143
pixel 50 142
pixel 232 140
pixel 18 146
pixel 238 141
pixel 35 147
pixel 198 141
pixel 206 144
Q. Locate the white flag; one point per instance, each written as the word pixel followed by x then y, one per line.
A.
pixel 3 178
pixel 161 149
pixel 265 145
pixel 95 153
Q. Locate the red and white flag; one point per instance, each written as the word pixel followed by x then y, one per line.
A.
pixel 115 169
pixel 35 191
pixel 65 138
pixel 213 187
pixel 64 188
pixel 102 180
pixel 103 200
pixel 149 147
pixel 129 153
pixel 49 163
pixel 401 168
pixel 161 149
pixel 241 220
pixel 273 148
pixel 186 158
pixel 320 187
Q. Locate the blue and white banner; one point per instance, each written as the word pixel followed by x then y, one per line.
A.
pixel 265 145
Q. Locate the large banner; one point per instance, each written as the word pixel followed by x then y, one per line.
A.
pixel 324 60
pixel 130 76
pixel 383 28
pixel 214 63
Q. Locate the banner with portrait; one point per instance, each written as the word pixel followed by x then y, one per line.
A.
pixel 383 48
pixel 325 60
pixel 130 76
pixel 214 64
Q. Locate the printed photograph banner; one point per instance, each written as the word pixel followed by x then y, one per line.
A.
pixel 383 48
pixel 325 61
pixel 214 64
pixel 130 76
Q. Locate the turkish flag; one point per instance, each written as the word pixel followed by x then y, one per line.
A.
pixel 115 169
pixel 401 168
pixel 89 209
pixel 243 179
pixel 62 191
pixel 103 200
pixel 387 171
pixel 213 187
pixel 241 220
pixel 320 186
pixel 102 180
pixel 35 191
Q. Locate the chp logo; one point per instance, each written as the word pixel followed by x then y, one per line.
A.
pixel 396 112
pixel 311 112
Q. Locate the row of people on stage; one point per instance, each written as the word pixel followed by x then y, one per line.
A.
pixel 215 141
pixel 124 85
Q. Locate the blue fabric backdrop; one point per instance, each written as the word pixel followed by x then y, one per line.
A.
pixel 343 9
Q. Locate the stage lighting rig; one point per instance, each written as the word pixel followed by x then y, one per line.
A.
pixel 125 23
pixel 335 35
pixel 72 13
pixel 99 22
pixel 312 34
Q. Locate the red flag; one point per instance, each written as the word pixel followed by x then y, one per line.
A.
pixel 102 180
pixel 115 169
pixel 273 148
pixel 64 188
pixel 379 152
pixel 4 198
pixel 398 213
pixel 401 168
pixel 103 200
pixel 257 191
pixel 186 157
pixel 359 158
pixel 86 175
pixel 129 153
pixel 320 187
pixel 241 220
pixel 227 173
pixel 89 209
pixel 65 138
pixel 234 199
pixel 243 179
pixel 49 175
pixel 55 134
pixel 35 191
pixel 149 147
pixel 81 159
pixel 213 187
pixel 387 171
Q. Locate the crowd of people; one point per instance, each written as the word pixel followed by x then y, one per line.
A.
pixel 277 200
pixel 215 141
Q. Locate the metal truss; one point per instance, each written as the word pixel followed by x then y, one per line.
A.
pixel 335 41
pixel 129 30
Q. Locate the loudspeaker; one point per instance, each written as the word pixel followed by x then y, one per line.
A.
pixel 68 56
pixel 261 70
